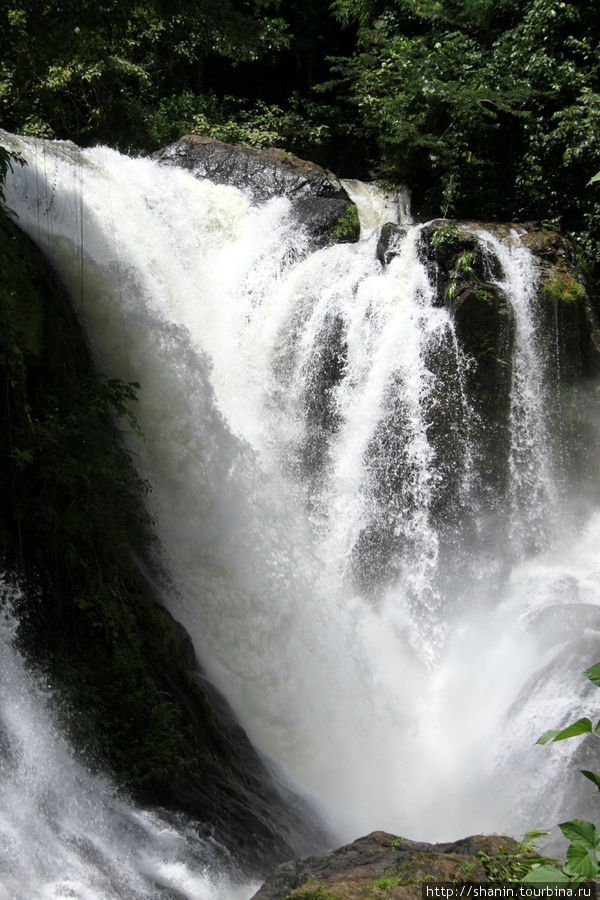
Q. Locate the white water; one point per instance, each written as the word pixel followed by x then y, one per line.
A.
pixel 376 206
pixel 287 400
pixel 65 833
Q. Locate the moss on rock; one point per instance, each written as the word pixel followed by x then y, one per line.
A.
pixel 562 287
pixel 347 228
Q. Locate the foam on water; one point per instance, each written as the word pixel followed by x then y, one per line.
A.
pixel 287 401
pixel 65 832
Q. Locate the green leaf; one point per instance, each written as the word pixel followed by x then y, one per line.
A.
pixel 593 776
pixel 580 862
pixel 544 874
pixel 547 736
pixel 593 673
pixel 581 726
pixel 593 180
pixel 581 832
pixel 532 837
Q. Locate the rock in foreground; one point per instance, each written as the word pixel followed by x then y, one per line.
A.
pixel 383 865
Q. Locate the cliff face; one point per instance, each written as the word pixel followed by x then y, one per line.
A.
pixel 467 275
pixel 72 520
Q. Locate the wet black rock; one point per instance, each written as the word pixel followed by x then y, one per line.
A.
pixel 390 238
pixel 318 199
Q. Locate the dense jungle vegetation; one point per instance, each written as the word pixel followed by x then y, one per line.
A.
pixel 487 108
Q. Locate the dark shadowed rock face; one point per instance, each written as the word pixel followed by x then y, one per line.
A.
pixel 383 864
pixel 318 198
pixel 570 331
pixel 231 794
pixel 467 279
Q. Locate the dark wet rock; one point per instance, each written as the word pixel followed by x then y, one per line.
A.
pixel 568 337
pixel 390 238
pixel 318 199
pixel 232 793
pixel 384 863
pixel 322 416
pixel 465 274
pixel 180 636
pixel 569 328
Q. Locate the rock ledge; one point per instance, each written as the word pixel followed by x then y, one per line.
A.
pixel 383 865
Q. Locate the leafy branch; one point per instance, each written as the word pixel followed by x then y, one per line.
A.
pixel 583 853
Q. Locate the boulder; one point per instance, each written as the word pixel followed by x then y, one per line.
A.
pixel 383 864
pixel 318 199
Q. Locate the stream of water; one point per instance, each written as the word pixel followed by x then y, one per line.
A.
pixel 396 669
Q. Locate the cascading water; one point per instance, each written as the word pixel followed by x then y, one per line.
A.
pixel 296 408
pixel 67 833
pixel 532 485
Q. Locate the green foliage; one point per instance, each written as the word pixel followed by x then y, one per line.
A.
pixel 582 856
pixel 563 287
pixel 91 71
pixel 387 882
pixel 463 270
pixel 347 229
pixel 513 864
pixel 446 237
pixel 482 107
pixel 583 853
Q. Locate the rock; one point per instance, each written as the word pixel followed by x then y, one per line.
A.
pixel 383 864
pixel 317 196
pixel 390 238
pixel 181 637
pixel 233 795
pixel 465 274
pixel 569 326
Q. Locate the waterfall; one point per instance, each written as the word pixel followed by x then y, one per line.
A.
pixel 376 206
pixel 309 441
pixel 67 833
pixel 533 494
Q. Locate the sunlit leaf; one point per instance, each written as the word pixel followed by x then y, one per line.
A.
pixel 580 862
pixel 593 673
pixel 581 832
pixel 544 874
pixel 593 776
pixel 533 836
pixel 581 726
pixel 547 736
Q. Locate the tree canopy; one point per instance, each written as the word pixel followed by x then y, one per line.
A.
pixel 486 108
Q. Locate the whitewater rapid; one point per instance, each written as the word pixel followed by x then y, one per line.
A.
pixel 286 402
pixel 65 832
